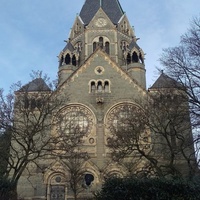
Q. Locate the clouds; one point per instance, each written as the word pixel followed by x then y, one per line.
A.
pixel 32 32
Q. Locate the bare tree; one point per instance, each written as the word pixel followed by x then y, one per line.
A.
pixel 26 114
pixel 156 138
pixel 182 63
pixel 70 129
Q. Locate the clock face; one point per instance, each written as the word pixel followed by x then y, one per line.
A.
pixel 100 22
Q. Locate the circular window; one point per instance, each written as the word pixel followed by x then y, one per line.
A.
pixel 58 179
pixel 126 117
pixel 75 119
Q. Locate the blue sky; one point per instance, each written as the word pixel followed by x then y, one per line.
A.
pixel 32 33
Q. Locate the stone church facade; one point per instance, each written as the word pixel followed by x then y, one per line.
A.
pixel 101 69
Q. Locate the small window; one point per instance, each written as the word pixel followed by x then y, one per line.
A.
pixel 101 42
pixel 106 86
pixel 74 60
pixel 128 58
pixel 94 46
pixel 135 57
pixel 93 87
pixel 99 86
pixel 67 59
pixel 107 47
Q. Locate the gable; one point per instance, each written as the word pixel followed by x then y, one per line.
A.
pixel 77 28
pixel 100 68
pixel 100 20
pixel 124 26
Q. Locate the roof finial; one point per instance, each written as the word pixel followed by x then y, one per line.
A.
pixel 100 3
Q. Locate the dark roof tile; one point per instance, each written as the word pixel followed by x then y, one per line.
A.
pixel 111 7
pixel 133 44
pixel 165 81
pixel 36 85
pixel 69 46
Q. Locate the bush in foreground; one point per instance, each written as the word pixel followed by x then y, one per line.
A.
pixel 149 189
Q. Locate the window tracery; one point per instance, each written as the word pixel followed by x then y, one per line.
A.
pixel 124 116
pixel 75 119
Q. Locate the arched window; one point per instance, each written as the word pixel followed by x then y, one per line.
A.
pixel 94 46
pixel 93 87
pixel 128 58
pixel 107 47
pixel 135 57
pixel 101 42
pixel 99 86
pixel 74 60
pixel 141 58
pixel 106 86
pixel 67 59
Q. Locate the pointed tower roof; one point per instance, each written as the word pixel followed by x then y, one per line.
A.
pixel 165 81
pixel 37 85
pixel 133 44
pixel 69 46
pixel 111 7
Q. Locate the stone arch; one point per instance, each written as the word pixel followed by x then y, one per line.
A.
pixel 67 59
pixel 94 46
pixel 135 58
pixel 114 170
pixel 118 112
pixel 103 42
pixel 91 168
pixel 107 84
pixel 74 61
pixel 100 85
pixel 93 87
pixel 56 179
pixel 79 108
pixel 128 58
pixel 107 47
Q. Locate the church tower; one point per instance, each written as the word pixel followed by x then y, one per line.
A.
pixel 103 24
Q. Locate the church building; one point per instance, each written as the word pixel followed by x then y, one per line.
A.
pixel 101 73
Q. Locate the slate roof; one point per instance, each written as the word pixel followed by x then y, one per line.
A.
pixel 69 46
pixel 37 84
pixel 165 81
pixel 133 44
pixel 111 7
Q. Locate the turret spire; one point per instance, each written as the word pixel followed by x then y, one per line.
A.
pixel 111 7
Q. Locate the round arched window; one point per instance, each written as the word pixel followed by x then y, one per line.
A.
pixel 126 117
pixel 75 119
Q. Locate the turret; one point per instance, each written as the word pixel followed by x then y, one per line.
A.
pixel 103 24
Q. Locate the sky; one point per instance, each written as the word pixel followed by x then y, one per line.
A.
pixel 32 33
